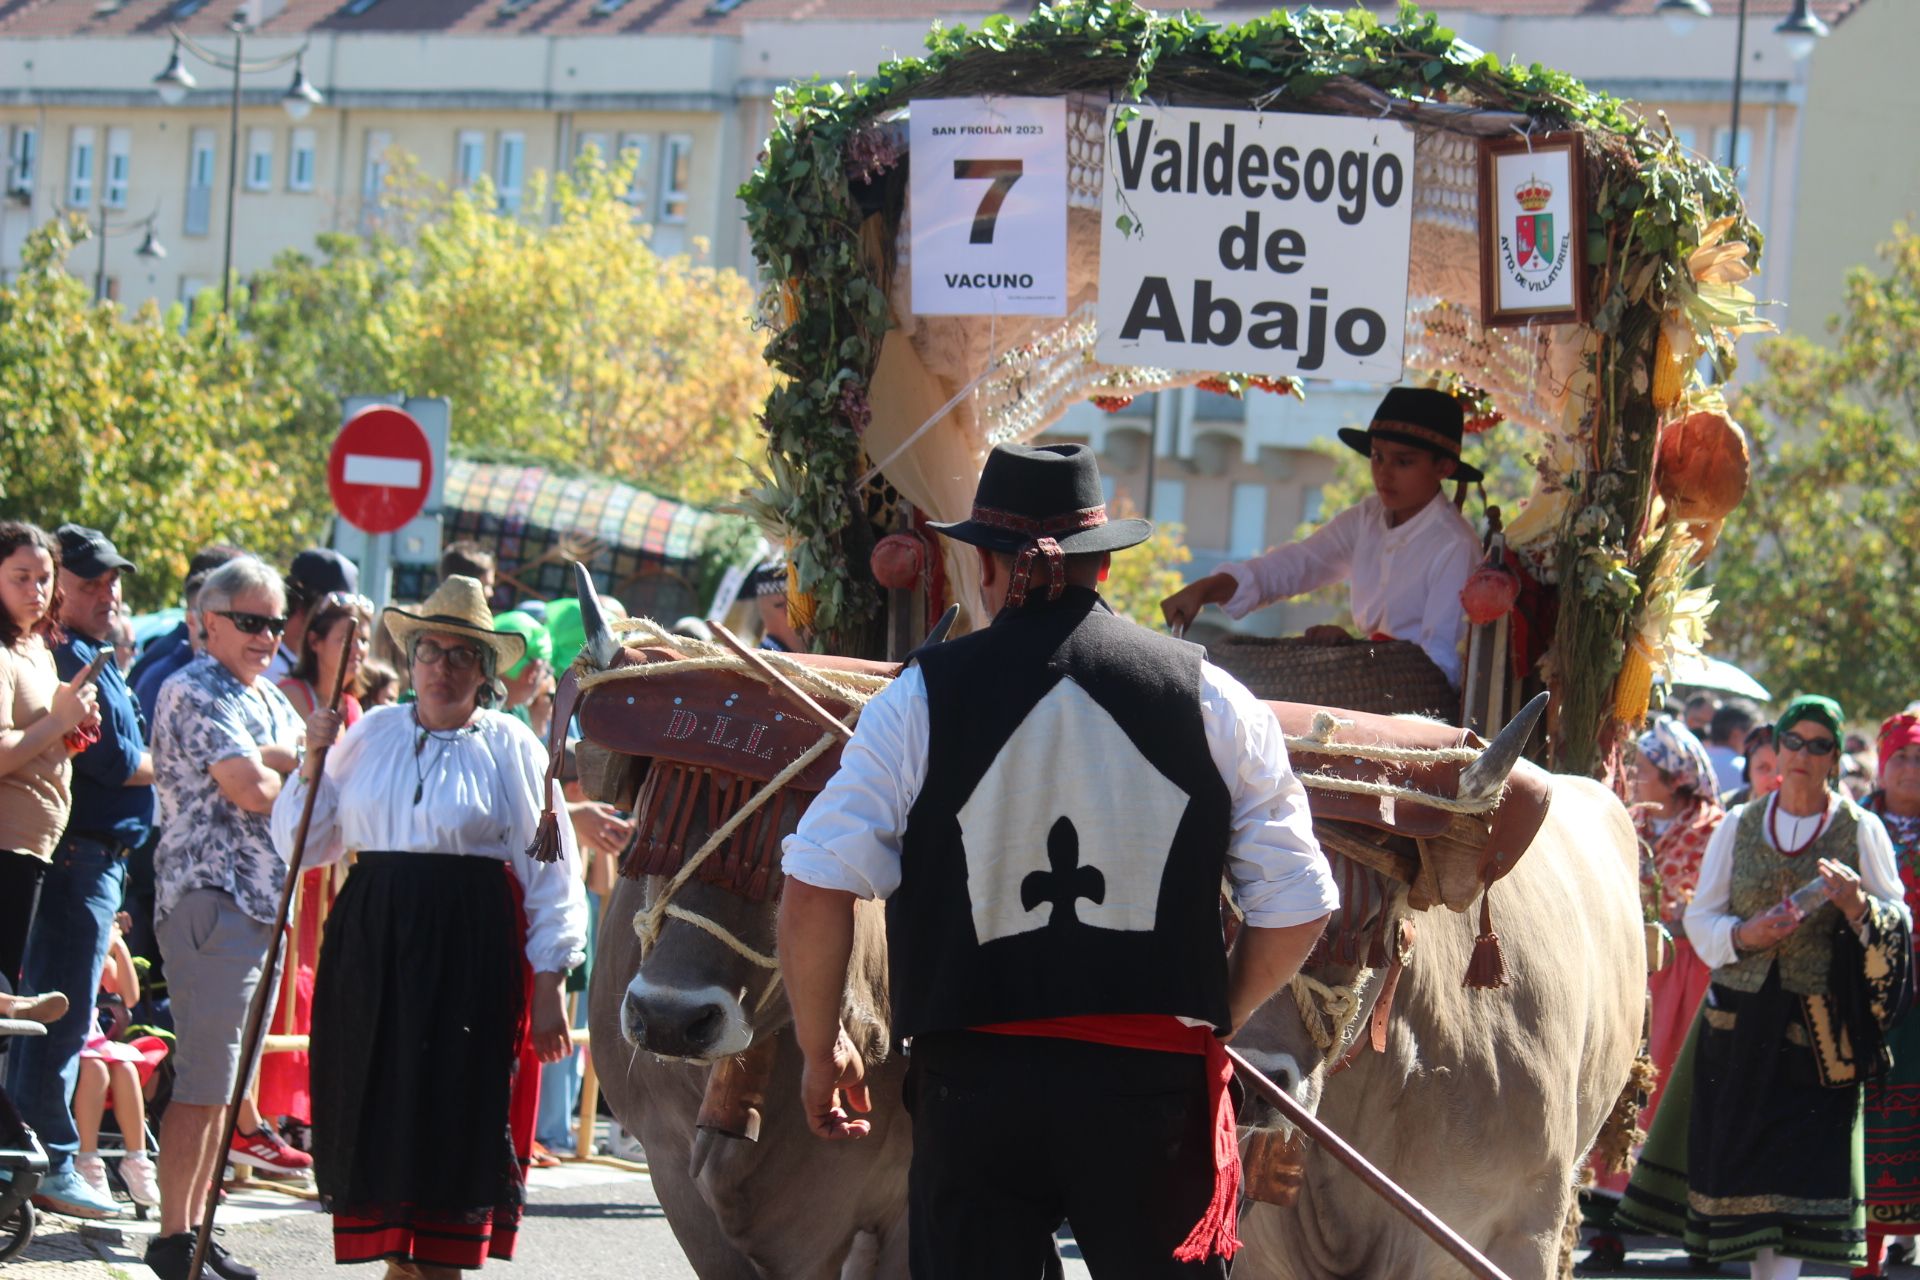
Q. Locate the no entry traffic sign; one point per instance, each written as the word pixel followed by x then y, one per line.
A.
pixel 381 469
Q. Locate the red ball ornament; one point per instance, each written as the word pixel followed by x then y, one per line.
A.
pixel 898 560
pixel 1490 594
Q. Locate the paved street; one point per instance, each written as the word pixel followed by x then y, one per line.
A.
pixel 585 1222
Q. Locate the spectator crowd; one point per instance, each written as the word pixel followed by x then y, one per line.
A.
pixel 140 873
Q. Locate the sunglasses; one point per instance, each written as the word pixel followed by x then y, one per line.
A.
pixel 461 658
pixel 343 601
pixel 254 623
pixel 1791 741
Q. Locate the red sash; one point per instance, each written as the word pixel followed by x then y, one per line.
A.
pixel 1216 1232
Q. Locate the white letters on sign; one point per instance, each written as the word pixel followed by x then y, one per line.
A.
pixel 1256 242
pixel 989 206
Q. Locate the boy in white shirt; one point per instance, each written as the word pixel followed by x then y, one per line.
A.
pixel 1405 551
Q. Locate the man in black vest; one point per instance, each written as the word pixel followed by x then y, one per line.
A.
pixel 1049 806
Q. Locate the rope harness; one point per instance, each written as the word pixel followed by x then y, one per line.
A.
pixel 1319 741
pixel 1328 1012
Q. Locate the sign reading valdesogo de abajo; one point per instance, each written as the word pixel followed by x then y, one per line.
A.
pixel 1256 242
pixel 989 206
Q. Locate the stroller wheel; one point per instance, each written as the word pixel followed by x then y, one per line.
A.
pixel 16 1232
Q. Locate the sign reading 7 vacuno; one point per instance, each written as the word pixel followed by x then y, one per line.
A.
pixel 989 192
pixel 1256 242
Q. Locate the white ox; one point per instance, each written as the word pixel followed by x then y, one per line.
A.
pixel 1484 1103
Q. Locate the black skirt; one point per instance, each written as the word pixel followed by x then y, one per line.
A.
pixel 419 1009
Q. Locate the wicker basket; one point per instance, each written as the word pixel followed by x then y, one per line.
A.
pixel 1385 677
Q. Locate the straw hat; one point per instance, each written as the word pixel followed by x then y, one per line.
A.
pixel 459 606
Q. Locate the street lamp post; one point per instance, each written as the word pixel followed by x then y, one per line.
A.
pixel 149 248
pixel 1801 30
pixel 174 83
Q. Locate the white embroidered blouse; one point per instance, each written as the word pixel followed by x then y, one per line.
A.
pixel 479 795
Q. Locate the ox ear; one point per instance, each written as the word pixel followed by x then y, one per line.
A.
pixel 601 647
pixel 1483 779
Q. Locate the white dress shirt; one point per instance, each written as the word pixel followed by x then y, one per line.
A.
pixel 850 836
pixel 1404 582
pixel 479 796
pixel 1710 921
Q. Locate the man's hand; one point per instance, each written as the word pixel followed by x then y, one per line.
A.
pixel 822 1082
pixel 552 1040
pixel 600 826
pixel 1184 605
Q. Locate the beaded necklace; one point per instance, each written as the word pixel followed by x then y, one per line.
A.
pixel 1773 812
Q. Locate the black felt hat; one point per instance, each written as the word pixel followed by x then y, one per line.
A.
pixel 1053 491
pixel 1428 419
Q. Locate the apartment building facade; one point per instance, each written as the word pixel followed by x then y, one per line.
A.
pixel 509 88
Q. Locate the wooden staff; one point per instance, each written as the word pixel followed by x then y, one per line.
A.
pixel 1379 1183
pixel 257 1007
pixel 783 686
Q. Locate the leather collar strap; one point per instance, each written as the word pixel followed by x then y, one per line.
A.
pixel 1040 546
pixel 1439 440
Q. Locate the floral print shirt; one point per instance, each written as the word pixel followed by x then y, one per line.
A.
pixel 205 715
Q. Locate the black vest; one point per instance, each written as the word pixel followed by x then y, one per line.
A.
pixel 1065 852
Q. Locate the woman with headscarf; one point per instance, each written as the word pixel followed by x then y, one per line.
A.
pixel 1675 813
pixel 439 983
pixel 1756 1154
pixel 1893 1103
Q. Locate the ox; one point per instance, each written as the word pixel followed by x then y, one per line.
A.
pixel 1484 1103
pixel 787 1205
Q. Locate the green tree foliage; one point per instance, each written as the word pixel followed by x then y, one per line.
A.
pixel 556 332
pixel 1141 577
pixel 1818 572
pixel 162 439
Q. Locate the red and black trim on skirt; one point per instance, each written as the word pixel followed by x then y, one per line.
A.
pixel 369 1233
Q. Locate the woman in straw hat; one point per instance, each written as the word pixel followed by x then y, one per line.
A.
pixel 440 981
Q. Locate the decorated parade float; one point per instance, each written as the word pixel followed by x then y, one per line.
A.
pixel 1102 201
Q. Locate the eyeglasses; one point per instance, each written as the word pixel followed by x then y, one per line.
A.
pixel 254 623
pixel 1791 741
pixel 460 658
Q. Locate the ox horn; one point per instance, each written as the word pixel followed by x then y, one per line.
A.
pixel 1483 779
pixel 600 646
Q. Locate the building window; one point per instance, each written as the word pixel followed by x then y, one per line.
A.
pixel 259 159
pixel 1742 156
pixel 191 289
pixel 595 142
pixel 80 168
pixel 1313 504
pixel 637 149
pixel 676 178
pixel 373 177
pixel 300 160
pixel 119 167
pixel 199 208
pixel 23 160
pixel 469 157
pixel 1169 502
pixel 510 175
pixel 1247 527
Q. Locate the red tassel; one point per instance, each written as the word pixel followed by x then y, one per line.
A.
pixel 1488 968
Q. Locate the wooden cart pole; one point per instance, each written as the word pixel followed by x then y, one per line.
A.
pixel 1443 1235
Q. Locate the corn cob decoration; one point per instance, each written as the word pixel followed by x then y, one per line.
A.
pixel 1633 691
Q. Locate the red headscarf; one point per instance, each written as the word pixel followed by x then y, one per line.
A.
pixel 1899 731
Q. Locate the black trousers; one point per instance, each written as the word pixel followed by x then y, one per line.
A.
pixel 20 877
pixel 1013 1135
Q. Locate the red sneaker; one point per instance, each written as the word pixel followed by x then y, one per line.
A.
pixel 265 1150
